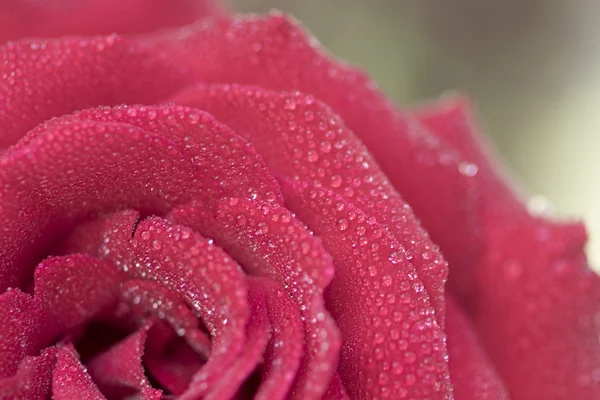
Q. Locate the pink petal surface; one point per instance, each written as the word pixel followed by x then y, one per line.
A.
pixel 229 162
pixel 336 390
pixel 538 300
pixel 75 170
pixel 151 298
pixel 257 332
pixel 393 346
pixel 473 375
pixel 71 380
pixel 285 347
pixel 33 379
pixel 20 333
pixel 271 242
pixel 44 79
pixel 274 53
pixel 68 291
pixel 32 18
pixel 72 289
pixel 301 138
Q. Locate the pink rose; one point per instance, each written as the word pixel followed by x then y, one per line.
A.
pixel 221 210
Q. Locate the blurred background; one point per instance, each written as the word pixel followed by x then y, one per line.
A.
pixel 531 67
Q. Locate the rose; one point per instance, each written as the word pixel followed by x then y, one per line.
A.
pixel 111 209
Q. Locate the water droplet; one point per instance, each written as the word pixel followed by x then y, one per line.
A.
pixel 468 169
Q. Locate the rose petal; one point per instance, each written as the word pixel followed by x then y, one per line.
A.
pixel 33 379
pixel 473 375
pixel 538 301
pixel 72 289
pixel 71 380
pixel 336 390
pixel 210 281
pixel 28 18
pixel 44 79
pixel 301 138
pixel 270 242
pixel 217 152
pixel 257 333
pixel 170 360
pixel 72 171
pixel 393 346
pixel 284 352
pixel 120 367
pixel 20 330
pixel 68 291
pixel 274 53
pixel 151 298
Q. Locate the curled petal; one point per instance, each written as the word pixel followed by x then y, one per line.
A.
pixel 284 351
pixel 170 360
pixel 393 346
pixel 207 278
pixel 120 367
pixel 68 291
pixel 257 333
pixel 71 380
pixel 20 330
pixel 72 289
pixel 269 241
pixel 151 298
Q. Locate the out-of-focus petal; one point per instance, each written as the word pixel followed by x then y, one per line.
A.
pixel 474 377
pixel 537 300
pixel 39 18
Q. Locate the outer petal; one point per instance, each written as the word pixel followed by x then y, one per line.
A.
pixel 393 346
pixel 473 375
pixel 44 79
pixel 32 18
pixel 537 300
